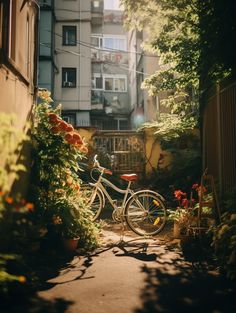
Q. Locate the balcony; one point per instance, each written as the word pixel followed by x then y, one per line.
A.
pixel 98 100
pixel 97 12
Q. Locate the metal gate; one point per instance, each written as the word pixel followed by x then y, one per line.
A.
pixel 121 151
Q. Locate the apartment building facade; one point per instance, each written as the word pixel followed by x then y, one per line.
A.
pixel 47 66
pixel 84 61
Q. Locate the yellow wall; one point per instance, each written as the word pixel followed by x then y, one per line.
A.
pixel 152 149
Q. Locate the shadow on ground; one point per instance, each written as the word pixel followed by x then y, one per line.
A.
pixel 179 282
pixel 40 271
pixel 178 286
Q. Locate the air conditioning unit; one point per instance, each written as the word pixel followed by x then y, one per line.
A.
pixel 67 84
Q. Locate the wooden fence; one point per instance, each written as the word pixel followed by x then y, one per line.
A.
pixel 219 135
pixel 121 151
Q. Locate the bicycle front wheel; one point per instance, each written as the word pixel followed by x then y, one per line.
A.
pixel 95 200
pixel 145 213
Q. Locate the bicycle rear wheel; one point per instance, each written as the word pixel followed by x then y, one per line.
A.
pixel 145 213
pixel 95 200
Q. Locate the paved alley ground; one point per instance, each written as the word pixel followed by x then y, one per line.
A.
pixel 136 276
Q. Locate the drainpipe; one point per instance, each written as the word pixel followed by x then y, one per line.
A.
pixel 79 81
pixel 219 137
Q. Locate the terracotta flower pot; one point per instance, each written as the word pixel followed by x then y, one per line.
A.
pixel 176 230
pixel 70 244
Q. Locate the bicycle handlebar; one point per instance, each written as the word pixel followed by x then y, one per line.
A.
pixel 100 168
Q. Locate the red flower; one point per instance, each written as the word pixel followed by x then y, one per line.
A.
pixel 185 202
pixel 179 194
pixel 195 186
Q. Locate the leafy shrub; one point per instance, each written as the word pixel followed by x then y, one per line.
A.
pixel 224 242
pixel 58 149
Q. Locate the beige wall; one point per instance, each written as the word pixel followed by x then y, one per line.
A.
pixel 18 76
pixel 17 73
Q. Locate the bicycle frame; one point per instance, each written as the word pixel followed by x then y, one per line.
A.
pixel 99 186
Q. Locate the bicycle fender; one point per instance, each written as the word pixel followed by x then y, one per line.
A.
pixel 100 191
pixel 150 191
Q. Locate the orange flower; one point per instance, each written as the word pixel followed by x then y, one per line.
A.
pixel 77 187
pixel 9 200
pixel 56 220
pixel 52 117
pixel 78 138
pixel 69 181
pixel 69 128
pixel 30 206
pixel 22 279
pixel 2 193
pixel 63 125
pixel 59 190
pixel 84 149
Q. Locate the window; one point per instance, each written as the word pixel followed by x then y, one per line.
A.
pixel 112 5
pixel 69 118
pixel 1 23
pixel 68 77
pixel 69 35
pixel 109 42
pixel 12 29
pixel 96 41
pixel 27 47
pixel 117 43
pixel 116 83
pixel 108 83
pixel 97 82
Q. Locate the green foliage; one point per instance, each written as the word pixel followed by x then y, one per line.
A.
pixel 191 38
pixel 224 242
pixel 173 33
pixel 60 205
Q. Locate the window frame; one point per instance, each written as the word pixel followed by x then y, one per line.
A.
pixel 63 82
pixel 109 76
pixel 64 33
pixel 102 38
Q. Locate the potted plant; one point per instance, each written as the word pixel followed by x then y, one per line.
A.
pixel 59 202
pixel 184 216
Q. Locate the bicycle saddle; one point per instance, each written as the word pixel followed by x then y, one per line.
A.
pixel 129 177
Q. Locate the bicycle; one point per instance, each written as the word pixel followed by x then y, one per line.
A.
pixel 143 211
